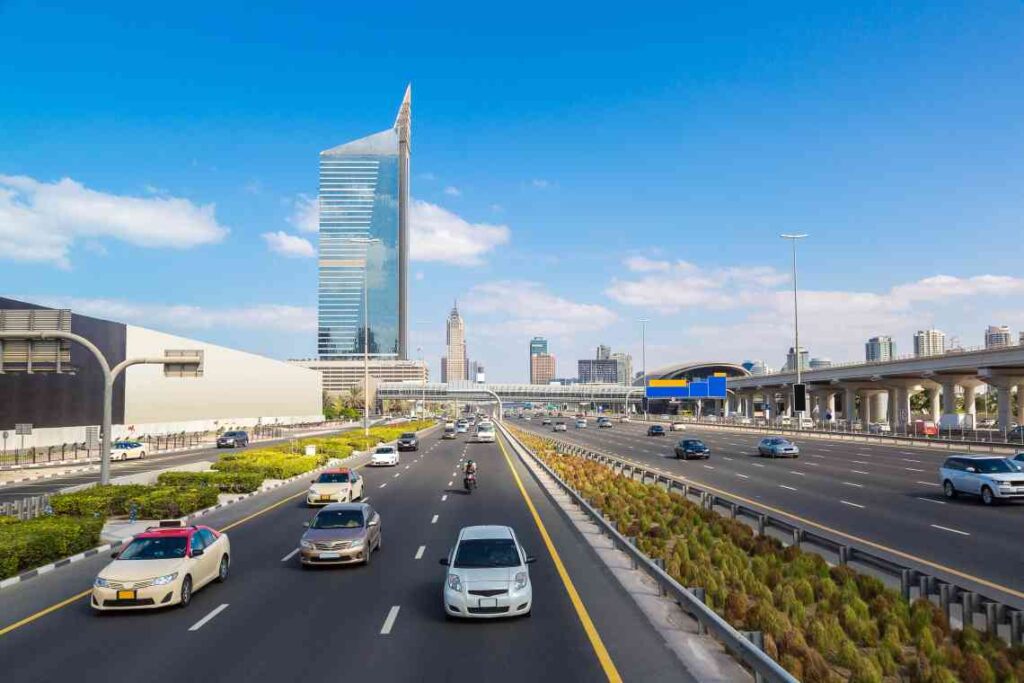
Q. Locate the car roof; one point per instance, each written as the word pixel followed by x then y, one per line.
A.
pixel 337 470
pixel 470 533
pixel 169 532
pixel 336 507
pixel 965 456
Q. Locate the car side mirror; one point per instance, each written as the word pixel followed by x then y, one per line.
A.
pixel 312 481
pixel 444 561
pixel 198 552
pixel 530 559
pixel 305 524
pixel 373 522
pixel 114 555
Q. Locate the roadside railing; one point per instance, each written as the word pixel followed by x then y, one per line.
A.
pixel 26 508
pixel 745 646
pixel 986 606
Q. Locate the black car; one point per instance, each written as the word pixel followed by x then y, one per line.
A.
pixel 692 448
pixel 655 430
pixel 235 439
pixel 408 442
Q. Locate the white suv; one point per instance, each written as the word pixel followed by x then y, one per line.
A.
pixel 992 478
pixel 487 575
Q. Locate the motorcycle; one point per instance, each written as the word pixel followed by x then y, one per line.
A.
pixel 469 482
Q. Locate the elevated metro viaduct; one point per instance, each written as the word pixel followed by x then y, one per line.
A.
pixel 885 387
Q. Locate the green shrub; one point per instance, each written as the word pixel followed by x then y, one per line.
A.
pixel 35 542
pixel 225 482
pixel 151 501
pixel 102 501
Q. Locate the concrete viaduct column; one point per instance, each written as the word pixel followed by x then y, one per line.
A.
pixel 1004 383
pixel 849 405
pixel 1020 404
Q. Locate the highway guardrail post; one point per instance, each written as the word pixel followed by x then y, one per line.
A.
pixel 797 537
pixel 967 600
pixel 1016 626
pixel 660 563
pixel 632 559
pixel 757 638
pixel 844 554
pixel 761 522
pixel 906 577
pixel 992 618
pixel 945 598
pixel 733 510
pixel 701 595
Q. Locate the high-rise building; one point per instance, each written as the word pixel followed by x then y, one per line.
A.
pixel 624 367
pixel 455 366
pixel 542 368
pixel 598 371
pixel 805 360
pixel 998 337
pixel 820 363
pixel 364 242
pixel 1020 337
pixel 879 349
pixel 538 345
pixel 929 343
pixel 754 367
pixel 603 352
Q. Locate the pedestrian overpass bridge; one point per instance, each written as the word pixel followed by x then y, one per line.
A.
pixel 606 394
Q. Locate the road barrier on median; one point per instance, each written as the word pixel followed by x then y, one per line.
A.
pixel 981 604
pixel 743 645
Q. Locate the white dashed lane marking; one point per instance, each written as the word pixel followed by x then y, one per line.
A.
pixel 289 555
pixel 205 620
pixel 953 531
pixel 420 551
pixel 434 520
pixel 856 505
pixel 389 622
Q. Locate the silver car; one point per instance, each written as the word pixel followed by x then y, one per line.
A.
pixel 777 447
pixel 992 478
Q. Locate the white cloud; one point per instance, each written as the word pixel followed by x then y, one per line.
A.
pixel 305 213
pixel 289 245
pixel 641 264
pixel 540 183
pixel 185 317
pixel 453 191
pixel 519 309
pixel 440 235
pixel 42 221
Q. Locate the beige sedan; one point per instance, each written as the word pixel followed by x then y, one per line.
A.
pixel 162 566
pixel 341 533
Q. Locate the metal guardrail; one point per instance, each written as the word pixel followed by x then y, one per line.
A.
pixel 690 599
pixel 914 580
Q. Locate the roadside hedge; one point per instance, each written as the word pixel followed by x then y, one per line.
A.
pixel 35 542
pixel 823 624
pixel 152 502
pixel 224 482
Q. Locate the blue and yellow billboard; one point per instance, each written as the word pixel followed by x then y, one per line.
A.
pixel 708 387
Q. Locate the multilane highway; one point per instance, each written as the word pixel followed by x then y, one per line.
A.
pixel 888 495
pixel 278 622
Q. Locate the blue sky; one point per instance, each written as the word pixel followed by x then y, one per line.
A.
pixel 590 167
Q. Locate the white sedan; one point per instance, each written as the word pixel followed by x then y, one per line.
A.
pixel 487 575
pixel 678 427
pixel 384 456
pixel 128 450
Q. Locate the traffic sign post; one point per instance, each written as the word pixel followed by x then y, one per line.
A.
pixel 22 429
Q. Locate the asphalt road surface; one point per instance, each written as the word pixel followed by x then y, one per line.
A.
pixel 155 461
pixel 384 622
pixel 889 495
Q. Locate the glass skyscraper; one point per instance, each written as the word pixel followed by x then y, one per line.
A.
pixel 364 242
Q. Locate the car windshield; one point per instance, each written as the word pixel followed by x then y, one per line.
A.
pixel 157 548
pixel 487 552
pixel 338 519
pixel 408 435
pixel 384 450
pixel 233 434
pixel 333 478
pixel 693 444
pixel 995 466
pixel 125 444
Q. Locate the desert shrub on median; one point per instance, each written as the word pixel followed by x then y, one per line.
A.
pixel 822 623
pixel 151 502
pixel 224 482
pixel 35 542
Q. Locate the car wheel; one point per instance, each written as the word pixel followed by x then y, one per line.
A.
pixel 369 555
pixel 987 497
pixel 948 490
pixel 186 592
pixel 222 571
pixel 380 541
pixel 142 455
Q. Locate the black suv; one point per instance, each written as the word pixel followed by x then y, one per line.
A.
pixel 408 442
pixel 233 440
pixel 655 430
pixel 692 448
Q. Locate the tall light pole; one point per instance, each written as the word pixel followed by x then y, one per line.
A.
pixel 366 242
pixel 643 360
pixel 793 238
pixel 423 398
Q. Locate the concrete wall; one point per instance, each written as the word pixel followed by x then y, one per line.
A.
pixel 237 388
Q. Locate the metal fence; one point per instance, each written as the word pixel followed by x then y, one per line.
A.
pixel 745 646
pixel 26 508
pixel 987 608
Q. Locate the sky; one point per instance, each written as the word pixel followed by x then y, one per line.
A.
pixel 573 170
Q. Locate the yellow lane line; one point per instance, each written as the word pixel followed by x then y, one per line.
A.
pixel 877 546
pixel 596 643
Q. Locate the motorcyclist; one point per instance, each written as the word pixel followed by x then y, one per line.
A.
pixel 470 467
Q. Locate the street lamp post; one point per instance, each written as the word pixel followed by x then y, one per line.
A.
pixel 109 377
pixel 793 238
pixel 643 361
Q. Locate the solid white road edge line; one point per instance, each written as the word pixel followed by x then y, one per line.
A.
pixel 389 621
pixel 202 622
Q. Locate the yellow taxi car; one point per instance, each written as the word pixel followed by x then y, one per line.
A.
pixel 339 485
pixel 162 566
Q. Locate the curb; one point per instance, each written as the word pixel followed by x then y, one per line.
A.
pixel 47 568
pixel 50 476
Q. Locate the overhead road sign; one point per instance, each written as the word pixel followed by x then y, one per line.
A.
pixel 709 387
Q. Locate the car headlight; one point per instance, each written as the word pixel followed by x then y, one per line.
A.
pixel 455 583
pixel 521 581
pixel 165 579
pixel 102 583
pixel 308 545
pixel 358 543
